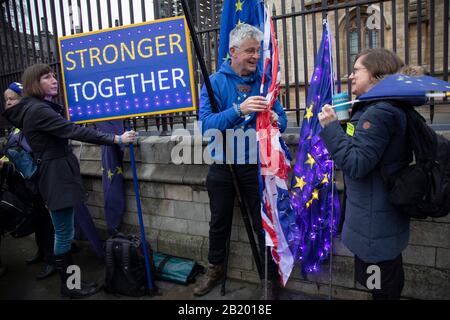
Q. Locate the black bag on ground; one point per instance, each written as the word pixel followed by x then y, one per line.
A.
pixel 16 216
pixel 125 266
pixel 423 188
pixel 176 269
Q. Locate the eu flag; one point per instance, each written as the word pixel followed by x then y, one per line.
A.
pixel 113 183
pixel 236 12
pixel 85 229
pixel 398 86
pixel 311 185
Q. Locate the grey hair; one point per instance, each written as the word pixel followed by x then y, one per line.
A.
pixel 243 32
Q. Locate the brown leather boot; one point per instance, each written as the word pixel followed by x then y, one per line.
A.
pixel 273 290
pixel 214 275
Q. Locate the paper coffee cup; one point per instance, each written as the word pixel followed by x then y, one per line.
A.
pixel 341 111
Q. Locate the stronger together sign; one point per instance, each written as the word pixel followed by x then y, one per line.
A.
pixel 128 71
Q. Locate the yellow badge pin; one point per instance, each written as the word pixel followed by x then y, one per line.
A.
pixel 350 129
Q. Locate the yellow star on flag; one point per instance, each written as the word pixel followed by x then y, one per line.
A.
pixel 239 5
pixel 325 179
pixel 309 112
pixel 315 195
pixel 227 57
pixel 239 22
pixel 308 203
pixel 119 170
pixel 110 174
pixel 310 160
pixel 299 183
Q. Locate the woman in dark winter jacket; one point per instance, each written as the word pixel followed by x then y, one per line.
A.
pixel 47 133
pixel 373 230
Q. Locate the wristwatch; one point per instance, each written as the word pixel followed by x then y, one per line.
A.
pixel 239 111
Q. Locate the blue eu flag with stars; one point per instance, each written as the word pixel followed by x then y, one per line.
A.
pixel 113 182
pixel 236 12
pixel 311 187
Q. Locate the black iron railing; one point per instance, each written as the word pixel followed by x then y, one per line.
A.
pixel 417 30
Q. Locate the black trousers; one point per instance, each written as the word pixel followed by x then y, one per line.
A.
pixel 221 193
pixel 392 277
pixel 44 231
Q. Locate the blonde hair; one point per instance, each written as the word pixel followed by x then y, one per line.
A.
pixel 413 70
pixel 15 95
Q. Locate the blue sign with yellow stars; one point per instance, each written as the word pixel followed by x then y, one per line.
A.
pixel 128 71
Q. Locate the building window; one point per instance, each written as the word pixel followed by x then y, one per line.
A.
pixel 371 39
pixel 417 8
pixel 353 36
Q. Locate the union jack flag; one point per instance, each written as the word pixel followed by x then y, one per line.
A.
pixel 274 164
pixel 274 159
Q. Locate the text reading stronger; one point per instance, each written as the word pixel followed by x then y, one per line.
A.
pixel 112 53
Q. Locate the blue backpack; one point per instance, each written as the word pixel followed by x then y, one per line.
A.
pixel 22 159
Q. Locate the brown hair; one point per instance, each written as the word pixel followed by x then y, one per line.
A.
pixel 31 80
pixel 380 62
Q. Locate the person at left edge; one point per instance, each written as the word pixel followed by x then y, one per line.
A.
pixel 44 231
pixel 60 185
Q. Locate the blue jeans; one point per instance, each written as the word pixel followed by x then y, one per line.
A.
pixel 64 229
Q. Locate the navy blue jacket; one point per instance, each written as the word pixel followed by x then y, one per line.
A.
pixel 373 230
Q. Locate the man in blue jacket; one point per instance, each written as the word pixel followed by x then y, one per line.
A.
pixel 236 89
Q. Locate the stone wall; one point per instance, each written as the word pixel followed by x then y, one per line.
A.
pixel 176 215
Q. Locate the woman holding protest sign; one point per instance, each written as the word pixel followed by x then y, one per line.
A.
pixel 47 133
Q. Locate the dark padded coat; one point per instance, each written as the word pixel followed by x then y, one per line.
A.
pixel 373 230
pixel 47 133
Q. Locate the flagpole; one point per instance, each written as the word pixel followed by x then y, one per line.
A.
pixel 265 273
pixel 141 220
pixel 330 270
pixel 241 201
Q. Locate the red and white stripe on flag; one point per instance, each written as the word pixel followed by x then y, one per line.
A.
pixel 274 165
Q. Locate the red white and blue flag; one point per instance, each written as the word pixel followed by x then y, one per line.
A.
pixel 274 163
pixel 276 210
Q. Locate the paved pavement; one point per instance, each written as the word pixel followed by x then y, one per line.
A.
pixel 19 282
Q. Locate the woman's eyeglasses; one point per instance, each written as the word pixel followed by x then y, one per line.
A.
pixel 355 70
